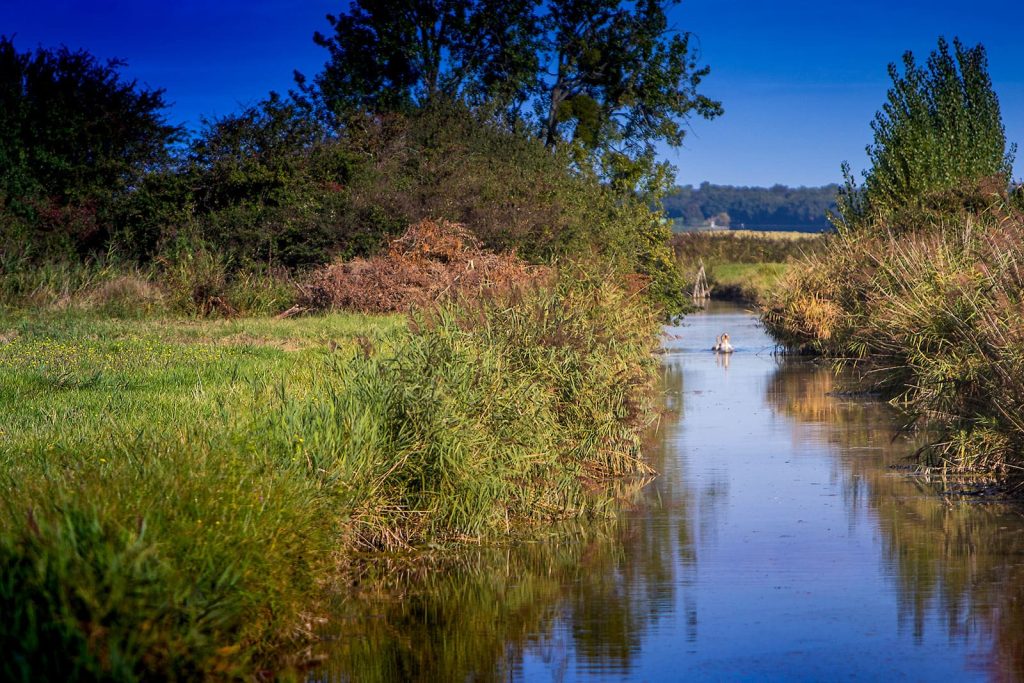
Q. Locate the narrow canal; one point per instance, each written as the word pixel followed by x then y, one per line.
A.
pixel 782 541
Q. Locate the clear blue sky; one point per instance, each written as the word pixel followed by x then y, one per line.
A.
pixel 800 80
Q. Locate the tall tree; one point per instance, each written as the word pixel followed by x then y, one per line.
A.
pixel 940 128
pixel 609 76
pixel 399 54
pixel 619 75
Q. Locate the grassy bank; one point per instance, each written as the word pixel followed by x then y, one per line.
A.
pixel 181 492
pixel 932 307
pixel 742 265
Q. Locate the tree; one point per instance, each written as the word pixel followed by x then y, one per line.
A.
pixel 399 54
pixel 71 129
pixel 620 78
pixel 75 140
pixel 940 129
pixel 609 76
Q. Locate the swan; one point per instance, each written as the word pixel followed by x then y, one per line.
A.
pixel 722 344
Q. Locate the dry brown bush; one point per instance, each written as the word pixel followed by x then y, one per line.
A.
pixel 431 261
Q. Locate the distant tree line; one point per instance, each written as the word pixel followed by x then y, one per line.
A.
pixel 799 208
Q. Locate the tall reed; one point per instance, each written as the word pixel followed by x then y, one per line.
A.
pixel 935 313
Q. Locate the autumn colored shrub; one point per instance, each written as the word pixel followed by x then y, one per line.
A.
pixel 431 261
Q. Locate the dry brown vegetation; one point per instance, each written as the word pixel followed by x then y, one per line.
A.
pixel 430 262
pixel 933 304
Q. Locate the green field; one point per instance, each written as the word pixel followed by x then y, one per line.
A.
pixel 743 265
pixel 746 281
pixel 182 493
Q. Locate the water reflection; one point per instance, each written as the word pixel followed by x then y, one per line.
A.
pixel 779 542
pixel 959 560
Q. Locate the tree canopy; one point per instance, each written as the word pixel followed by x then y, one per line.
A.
pixel 399 54
pixel 939 129
pixel 609 76
pixel 71 128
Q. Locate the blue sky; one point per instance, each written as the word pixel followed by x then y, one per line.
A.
pixel 800 80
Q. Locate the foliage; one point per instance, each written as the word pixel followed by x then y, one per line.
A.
pixel 399 55
pixel 753 207
pixel 75 138
pixel 608 75
pixel 267 185
pixel 268 188
pixel 935 313
pixel 287 455
pixel 746 282
pixel 276 187
pixel 939 130
pixel 621 79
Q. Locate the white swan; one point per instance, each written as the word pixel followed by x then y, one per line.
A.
pixel 722 344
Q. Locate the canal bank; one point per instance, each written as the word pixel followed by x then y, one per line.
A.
pixel 782 540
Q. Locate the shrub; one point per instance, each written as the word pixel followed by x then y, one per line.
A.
pixel 940 130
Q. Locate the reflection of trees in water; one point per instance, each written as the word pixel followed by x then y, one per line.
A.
pixel 593 590
pixel 452 618
pixel 960 561
pixel 626 589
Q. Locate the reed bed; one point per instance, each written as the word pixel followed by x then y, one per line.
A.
pixel 742 265
pixel 179 500
pixel 745 246
pixel 932 306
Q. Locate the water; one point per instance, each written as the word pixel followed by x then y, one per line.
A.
pixel 777 544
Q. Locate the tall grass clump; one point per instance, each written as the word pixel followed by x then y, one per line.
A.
pixel 491 414
pixel 923 282
pixel 194 537
pixel 935 315
pixel 196 282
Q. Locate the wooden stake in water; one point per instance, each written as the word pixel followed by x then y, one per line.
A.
pixel 701 290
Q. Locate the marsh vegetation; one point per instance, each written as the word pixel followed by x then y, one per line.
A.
pixel 742 265
pixel 922 282
pixel 183 495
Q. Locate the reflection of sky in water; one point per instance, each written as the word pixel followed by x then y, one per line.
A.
pixel 782 567
pixel 775 545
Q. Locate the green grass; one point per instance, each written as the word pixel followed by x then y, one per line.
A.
pixel 745 281
pixel 181 492
pixel 743 265
pixel 146 529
